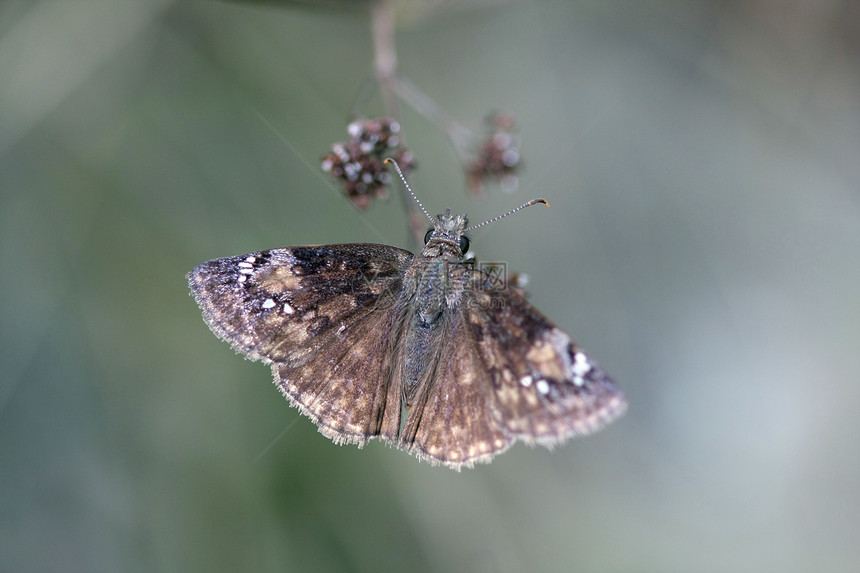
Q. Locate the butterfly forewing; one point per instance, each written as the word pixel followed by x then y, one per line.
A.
pixel 323 317
pixel 546 388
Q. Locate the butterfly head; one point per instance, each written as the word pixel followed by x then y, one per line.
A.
pixel 448 230
pixel 448 234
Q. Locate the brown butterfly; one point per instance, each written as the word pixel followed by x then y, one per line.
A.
pixel 423 351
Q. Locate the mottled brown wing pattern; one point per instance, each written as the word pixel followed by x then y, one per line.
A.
pixel 322 316
pixel 546 389
pixel 346 386
pixel 454 420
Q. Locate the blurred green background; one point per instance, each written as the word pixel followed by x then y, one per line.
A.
pixel 701 159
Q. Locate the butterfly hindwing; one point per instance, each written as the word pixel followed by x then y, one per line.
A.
pixel 454 420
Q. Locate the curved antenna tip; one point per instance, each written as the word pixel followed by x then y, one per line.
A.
pixel 511 212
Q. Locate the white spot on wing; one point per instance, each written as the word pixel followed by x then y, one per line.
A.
pixel 526 380
pixel 268 303
pixel 542 387
pixel 581 366
pixel 288 308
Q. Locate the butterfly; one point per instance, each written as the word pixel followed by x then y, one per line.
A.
pixel 425 352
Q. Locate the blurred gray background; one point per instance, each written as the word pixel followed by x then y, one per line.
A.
pixel 703 244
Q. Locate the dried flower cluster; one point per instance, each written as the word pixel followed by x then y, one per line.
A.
pixel 498 157
pixel 358 162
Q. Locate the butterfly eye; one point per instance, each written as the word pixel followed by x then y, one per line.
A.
pixel 464 244
pixel 428 235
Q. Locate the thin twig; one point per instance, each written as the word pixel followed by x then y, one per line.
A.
pixel 461 138
pixel 385 69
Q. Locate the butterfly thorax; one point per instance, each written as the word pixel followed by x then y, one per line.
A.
pixel 429 276
pixel 430 279
pixel 434 281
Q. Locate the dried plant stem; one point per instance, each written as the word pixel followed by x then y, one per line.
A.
pixel 460 137
pixel 385 54
pixel 385 70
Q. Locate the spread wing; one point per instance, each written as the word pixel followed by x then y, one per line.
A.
pixel 511 374
pixel 546 388
pixel 325 319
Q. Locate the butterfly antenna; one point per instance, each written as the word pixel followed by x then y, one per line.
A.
pixel 408 188
pixel 511 212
